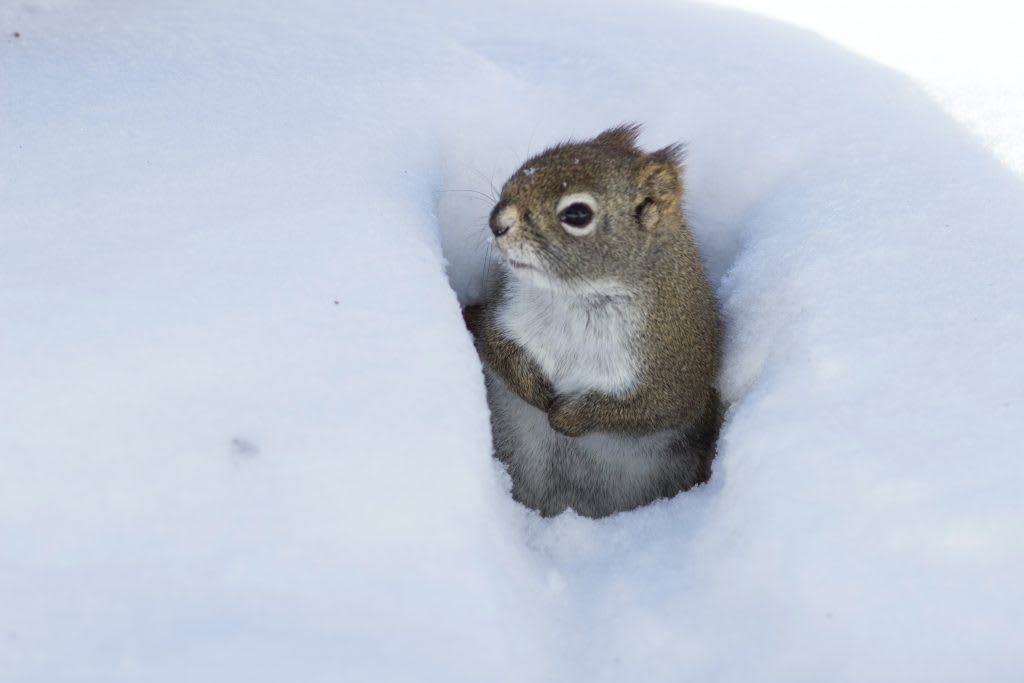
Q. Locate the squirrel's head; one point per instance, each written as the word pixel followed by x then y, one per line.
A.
pixel 584 211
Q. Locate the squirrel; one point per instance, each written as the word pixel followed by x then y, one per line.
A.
pixel 600 338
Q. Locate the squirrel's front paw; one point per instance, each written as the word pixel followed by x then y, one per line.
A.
pixel 473 316
pixel 567 417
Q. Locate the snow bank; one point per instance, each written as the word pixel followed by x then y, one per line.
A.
pixel 245 435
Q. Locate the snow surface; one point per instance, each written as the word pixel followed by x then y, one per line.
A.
pixel 245 435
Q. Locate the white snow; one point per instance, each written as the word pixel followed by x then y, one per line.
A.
pixel 244 433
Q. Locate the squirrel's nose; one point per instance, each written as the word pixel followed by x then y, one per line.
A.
pixel 498 226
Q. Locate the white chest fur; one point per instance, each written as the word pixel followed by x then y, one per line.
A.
pixel 581 341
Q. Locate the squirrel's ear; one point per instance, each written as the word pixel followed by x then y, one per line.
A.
pixel 623 137
pixel 660 185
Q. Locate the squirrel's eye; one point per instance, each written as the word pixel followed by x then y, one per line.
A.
pixel 577 215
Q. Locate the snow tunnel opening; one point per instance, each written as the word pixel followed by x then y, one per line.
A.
pixel 463 206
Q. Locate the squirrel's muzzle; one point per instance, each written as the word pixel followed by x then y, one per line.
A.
pixel 501 221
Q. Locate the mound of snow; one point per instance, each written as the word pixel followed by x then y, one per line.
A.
pixel 245 434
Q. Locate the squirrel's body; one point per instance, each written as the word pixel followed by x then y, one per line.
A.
pixel 600 340
pixel 595 474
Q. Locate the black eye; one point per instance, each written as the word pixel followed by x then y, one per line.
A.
pixel 578 215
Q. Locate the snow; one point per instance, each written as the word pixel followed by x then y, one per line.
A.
pixel 245 434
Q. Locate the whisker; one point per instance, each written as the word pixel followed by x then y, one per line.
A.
pixel 484 195
pixel 496 191
pixel 485 286
pixel 489 181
